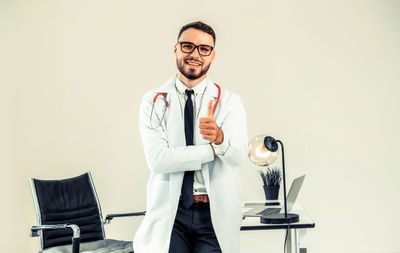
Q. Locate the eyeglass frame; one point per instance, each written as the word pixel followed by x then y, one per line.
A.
pixel 194 48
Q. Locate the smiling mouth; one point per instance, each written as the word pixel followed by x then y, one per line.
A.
pixel 193 63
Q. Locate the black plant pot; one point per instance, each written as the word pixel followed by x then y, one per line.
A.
pixel 271 192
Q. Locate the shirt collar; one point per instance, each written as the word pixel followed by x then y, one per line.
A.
pixel 198 89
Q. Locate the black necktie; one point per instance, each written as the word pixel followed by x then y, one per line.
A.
pixel 187 186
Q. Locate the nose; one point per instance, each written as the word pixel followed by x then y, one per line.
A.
pixel 195 53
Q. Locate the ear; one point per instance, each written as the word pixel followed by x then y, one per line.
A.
pixel 212 56
pixel 175 48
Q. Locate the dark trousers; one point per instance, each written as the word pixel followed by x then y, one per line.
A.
pixel 193 231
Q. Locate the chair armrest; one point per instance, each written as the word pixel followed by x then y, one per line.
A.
pixel 109 217
pixel 75 228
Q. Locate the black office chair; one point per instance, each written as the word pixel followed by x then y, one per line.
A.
pixel 62 205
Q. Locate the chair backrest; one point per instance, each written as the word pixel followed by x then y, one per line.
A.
pixel 72 201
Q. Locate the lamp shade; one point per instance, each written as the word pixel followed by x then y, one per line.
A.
pixel 259 154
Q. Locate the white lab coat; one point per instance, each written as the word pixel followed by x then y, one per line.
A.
pixel 168 158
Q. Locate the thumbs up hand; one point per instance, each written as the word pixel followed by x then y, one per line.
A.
pixel 208 127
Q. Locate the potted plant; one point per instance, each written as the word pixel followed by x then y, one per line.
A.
pixel 272 181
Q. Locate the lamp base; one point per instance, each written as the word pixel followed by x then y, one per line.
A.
pixel 279 218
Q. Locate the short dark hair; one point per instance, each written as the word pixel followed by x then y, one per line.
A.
pixel 199 26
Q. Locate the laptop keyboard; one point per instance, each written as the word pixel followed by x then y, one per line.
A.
pixel 269 211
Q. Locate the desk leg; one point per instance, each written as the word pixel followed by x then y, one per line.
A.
pixel 302 241
pixel 292 243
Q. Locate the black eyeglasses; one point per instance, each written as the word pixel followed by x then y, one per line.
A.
pixel 189 47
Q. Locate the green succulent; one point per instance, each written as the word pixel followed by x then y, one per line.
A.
pixel 272 177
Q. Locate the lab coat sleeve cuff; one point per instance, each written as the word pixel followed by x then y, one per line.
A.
pixel 221 148
pixel 208 154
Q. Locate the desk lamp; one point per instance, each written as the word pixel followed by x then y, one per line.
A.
pixel 263 152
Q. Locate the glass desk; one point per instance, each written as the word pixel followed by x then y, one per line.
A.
pixel 296 241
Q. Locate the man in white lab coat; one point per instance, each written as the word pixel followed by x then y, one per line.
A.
pixel 194 136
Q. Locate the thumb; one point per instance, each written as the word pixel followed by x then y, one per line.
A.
pixel 210 112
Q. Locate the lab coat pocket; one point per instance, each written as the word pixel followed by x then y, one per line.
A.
pixel 226 193
pixel 159 190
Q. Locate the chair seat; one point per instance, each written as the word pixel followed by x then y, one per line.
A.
pixel 101 246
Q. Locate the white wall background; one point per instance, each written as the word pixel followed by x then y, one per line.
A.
pixel 322 76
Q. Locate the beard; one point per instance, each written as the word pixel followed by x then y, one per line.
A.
pixel 191 73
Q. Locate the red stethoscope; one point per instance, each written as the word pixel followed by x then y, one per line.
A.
pixel 163 94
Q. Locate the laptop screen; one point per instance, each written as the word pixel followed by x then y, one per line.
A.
pixel 294 191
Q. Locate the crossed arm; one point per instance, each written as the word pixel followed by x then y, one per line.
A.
pixel 228 142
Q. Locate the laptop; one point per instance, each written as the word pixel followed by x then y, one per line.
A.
pixel 291 199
